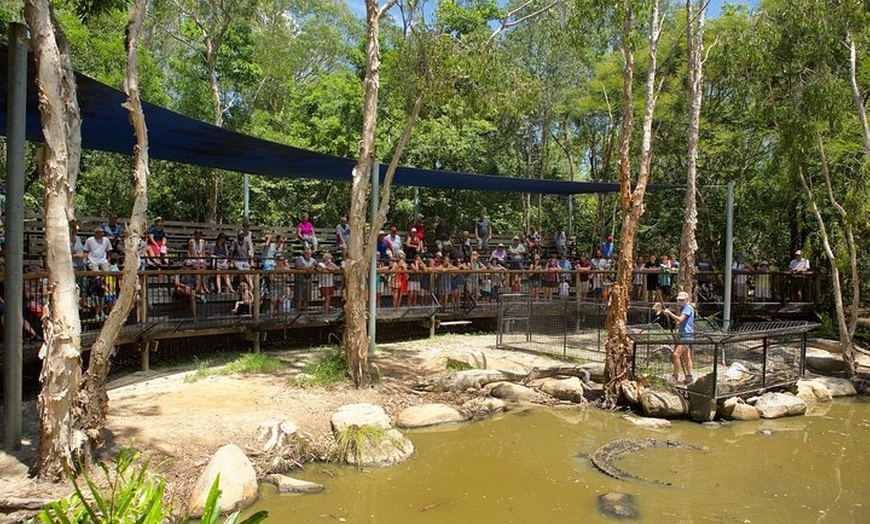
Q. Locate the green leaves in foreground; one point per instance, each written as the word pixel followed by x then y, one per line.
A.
pixel 130 495
pixel 212 512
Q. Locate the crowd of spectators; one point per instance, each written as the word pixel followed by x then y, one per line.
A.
pixel 417 265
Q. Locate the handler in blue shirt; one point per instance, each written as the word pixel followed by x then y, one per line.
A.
pixel 686 328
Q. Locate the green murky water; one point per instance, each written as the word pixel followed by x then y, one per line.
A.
pixel 532 467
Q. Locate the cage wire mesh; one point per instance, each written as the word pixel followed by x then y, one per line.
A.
pixel 566 328
pixel 746 357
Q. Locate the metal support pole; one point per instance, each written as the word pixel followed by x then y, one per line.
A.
pixel 729 255
pixel 570 216
pixel 247 213
pixel 16 110
pixel 373 270
pixel 256 311
pixel 416 204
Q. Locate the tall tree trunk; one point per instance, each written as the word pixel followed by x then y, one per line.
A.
pixel 688 241
pixel 845 338
pixel 618 346
pixel 356 271
pixel 212 203
pixel 61 351
pixel 362 246
pixel 856 94
pixel 93 399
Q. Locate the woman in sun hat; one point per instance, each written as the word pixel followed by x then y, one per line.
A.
pixel 686 328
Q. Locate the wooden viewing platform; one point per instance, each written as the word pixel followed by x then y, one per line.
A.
pixel 161 314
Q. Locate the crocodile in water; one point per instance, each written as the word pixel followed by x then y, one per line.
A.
pixel 605 456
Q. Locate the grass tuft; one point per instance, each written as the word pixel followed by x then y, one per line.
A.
pixel 329 368
pixel 457 365
pixel 252 363
pixel 354 440
pixel 246 364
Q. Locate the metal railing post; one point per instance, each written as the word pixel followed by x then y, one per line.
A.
pixel 13 352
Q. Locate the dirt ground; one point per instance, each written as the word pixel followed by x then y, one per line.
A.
pixel 182 423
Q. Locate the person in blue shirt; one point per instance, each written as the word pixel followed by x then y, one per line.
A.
pixel 607 248
pixel 686 328
pixel 383 246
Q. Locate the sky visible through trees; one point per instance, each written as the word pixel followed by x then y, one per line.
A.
pixel 358 7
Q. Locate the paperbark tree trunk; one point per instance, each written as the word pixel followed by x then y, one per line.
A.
pixel 618 346
pixel 845 337
pixel 362 246
pixel 93 400
pixel 61 352
pixel 688 241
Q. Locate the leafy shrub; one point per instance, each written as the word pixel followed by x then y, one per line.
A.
pixel 828 327
pixel 132 495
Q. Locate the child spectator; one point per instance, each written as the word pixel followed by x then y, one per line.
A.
pixel 278 284
pixel 564 288
pixel 327 280
pixel 246 300
pixel 220 252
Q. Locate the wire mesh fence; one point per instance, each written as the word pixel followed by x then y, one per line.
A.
pixel 742 359
pixel 567 328
pixel 745 357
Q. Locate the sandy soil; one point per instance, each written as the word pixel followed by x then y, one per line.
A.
pixel 182 423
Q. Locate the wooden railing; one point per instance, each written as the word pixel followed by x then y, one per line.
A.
pixel 170 295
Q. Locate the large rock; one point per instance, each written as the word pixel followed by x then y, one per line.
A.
pixel 429 415
pixel 811 391
pixel 359 415
pixel 238 481
pixel 776 405
pixel 287 484
pixel 837 387
pixel 702 408
pixel 822 361
pixel 513 392
pixel 366 438
pixel 744 412
pixel 663 404
pixel 619 506
pixel 481 407
pixel 570 389
pixel 648 422
pixel 735 408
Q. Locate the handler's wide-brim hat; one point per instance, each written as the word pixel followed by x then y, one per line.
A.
pixel 682 295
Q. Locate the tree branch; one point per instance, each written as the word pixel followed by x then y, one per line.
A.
pixel 505 24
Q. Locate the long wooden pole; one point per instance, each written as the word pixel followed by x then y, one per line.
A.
pixel 16 109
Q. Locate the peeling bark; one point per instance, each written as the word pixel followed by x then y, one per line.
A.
pixel 61 351
pixel 618 346
pixel 688 241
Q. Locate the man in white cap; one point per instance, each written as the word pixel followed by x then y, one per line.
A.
pixel 798 282
pixel 799 264
pixel 685 320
